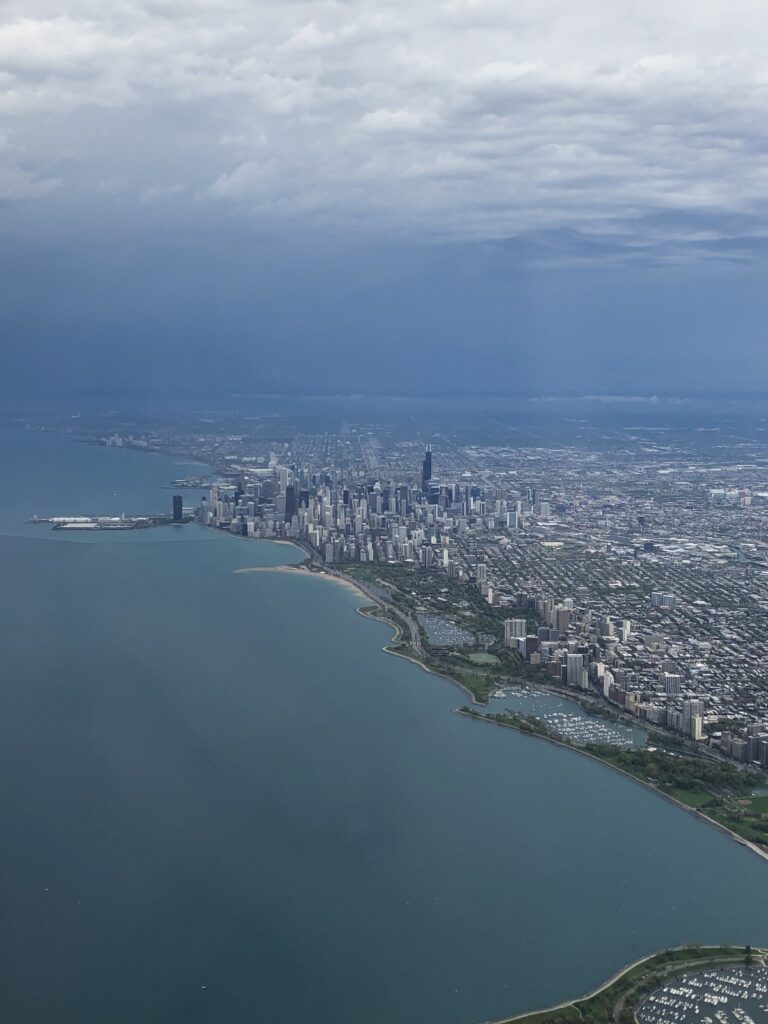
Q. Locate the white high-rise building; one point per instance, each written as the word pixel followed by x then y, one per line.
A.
pixel 514 628
pixel 693 720
pixel 672 682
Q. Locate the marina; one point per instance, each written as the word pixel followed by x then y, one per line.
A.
pixel 567 718
pixel 723 995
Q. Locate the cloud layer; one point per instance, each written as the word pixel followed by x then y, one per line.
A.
pixel 595 131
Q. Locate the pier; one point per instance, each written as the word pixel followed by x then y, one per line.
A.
pixel 88 523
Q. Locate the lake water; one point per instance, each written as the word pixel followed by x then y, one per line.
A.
pixel 222 802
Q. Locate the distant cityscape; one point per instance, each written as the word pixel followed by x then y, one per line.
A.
pixel 638 574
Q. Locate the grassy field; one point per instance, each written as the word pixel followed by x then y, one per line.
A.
pixel 690 796
pixel 483 659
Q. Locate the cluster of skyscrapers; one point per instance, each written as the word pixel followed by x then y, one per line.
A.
pixel 345 520
pixel 516 544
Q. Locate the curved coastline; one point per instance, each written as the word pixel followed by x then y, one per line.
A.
pixel 354 587
pixel 304 571
pixel 632 778
pixel 701 963
pixel 398 634
pixel 407 657
pixel 589 995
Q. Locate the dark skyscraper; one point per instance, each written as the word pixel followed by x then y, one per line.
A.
pixel 290 502
pixel 426 468
pixel 178 512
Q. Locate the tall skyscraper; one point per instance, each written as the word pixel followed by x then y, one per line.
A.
pixel 290 502
pixel 575 667
pixel 178 509
pixel 426 468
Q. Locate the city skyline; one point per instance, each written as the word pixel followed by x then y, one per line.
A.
pixel 384 447
pixel 612 554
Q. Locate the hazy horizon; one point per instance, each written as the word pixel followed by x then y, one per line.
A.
pixel 318 197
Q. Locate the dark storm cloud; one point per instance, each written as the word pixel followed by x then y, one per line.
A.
pixel 367 195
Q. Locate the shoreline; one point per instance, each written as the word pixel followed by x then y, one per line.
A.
pixel 752 847
pixel 353 587
pixel 371 600
pixel 399 634
pixel 693 965
pixel 408 657
pixel 304 571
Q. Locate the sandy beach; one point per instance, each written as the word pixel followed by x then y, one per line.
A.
pixel 293 569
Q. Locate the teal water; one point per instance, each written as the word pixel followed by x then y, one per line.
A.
pixel 222 803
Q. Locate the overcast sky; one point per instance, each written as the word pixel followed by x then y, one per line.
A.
pixel 383 196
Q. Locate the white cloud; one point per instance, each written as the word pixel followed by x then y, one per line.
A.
pixel 449 118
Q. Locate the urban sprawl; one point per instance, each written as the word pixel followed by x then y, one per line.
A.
pixel 638 573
